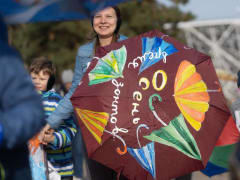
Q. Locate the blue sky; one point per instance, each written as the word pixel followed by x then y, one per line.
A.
pixel 212 9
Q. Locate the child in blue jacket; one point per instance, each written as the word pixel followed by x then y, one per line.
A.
pixel 58 142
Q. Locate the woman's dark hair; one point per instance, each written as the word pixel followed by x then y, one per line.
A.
pixel 119 19
pixel 44 64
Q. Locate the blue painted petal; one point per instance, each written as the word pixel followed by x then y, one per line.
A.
pixel 212 169
pixel 157 43
pixel 165 45
pixel 145 156
pixel 153 50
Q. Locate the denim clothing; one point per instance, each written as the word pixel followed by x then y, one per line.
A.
pixel 65 108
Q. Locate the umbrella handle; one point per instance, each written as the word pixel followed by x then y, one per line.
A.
pixel 122 152
pixel 151 98
pixel 121 139
pixel 140 126
pixel 124 144
pixel 152 108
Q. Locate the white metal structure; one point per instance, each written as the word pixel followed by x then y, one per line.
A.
pixel 221 40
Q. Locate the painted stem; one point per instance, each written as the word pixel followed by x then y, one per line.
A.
pixel 138 128
pixel 153 110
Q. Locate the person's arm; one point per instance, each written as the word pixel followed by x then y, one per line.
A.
pixel 65 109
pixel 21 111
pixel 63 136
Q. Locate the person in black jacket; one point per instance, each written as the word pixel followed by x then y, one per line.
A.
pixel 21 112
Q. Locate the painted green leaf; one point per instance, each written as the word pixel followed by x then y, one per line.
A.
pixel 177 135
pixel 109 67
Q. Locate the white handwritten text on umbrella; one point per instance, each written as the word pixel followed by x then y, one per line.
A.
pixel 113 118
pixel 151 55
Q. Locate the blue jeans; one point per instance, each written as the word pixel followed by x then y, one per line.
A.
pixel 78 153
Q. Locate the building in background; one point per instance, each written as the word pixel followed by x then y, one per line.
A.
pixel 220 39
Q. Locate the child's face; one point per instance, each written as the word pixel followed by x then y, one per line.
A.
pixel 40 80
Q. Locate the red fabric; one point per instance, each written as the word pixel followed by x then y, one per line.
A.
pixel 230 134
pixel 169 162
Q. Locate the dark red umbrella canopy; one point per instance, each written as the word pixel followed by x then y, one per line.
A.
pixel 150 107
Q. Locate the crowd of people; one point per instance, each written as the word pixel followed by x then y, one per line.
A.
pixel 29 106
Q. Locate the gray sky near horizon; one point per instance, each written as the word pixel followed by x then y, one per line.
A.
pixel 212 9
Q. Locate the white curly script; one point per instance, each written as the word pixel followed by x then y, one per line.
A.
pixel 139 59
pixel 113 118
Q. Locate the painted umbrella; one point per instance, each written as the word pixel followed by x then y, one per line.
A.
pixel 147 102
pixel 227 142
pixel 26 11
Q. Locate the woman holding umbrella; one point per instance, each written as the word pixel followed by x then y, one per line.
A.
pixel 106 24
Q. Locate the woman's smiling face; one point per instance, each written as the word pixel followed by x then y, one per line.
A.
pixel 105 22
